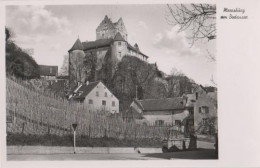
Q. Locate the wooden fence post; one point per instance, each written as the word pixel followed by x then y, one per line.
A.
pixel 89 131
pixel 23 127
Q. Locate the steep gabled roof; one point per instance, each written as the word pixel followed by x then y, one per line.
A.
pixel 118 37
pixel 77 46
pixel 161 104
pixel 46 70
pixel 97 43
pixel 106 22
pixel 86 89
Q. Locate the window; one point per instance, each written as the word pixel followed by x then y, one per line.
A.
pixel 204 109
pixel 113 103
pixel 104 102
pixel 191 111
pixel 178 122
pixel 119 54
pixel 204 121
pixel 119 43
pixel 159 122
pixel 97 94
pixel 105 94
pixel 50 70
pixel 90 101
pixel 197 95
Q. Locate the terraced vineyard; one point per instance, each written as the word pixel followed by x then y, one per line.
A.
pixel 32 111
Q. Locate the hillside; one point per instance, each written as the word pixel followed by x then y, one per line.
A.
pixel 133 78
pixel 35 112
pixel 18 62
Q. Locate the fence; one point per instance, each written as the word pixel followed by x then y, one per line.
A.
pixel 40 112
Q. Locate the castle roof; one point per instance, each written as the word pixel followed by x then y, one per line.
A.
pixel 118 37
pixel 97 44
pixel 134 49
pixel 77 45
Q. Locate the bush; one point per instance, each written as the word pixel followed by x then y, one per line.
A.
pixel 81 141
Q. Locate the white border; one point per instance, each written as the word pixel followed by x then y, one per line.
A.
pixel 238 44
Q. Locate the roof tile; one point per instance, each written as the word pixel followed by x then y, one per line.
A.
pixel 77 45
pixel 118 37
pixel 86 89
pixel 97 43
pixel 161 104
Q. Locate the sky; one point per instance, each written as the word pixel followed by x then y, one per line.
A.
pixel 50 31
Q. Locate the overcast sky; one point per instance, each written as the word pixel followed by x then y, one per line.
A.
pixel 52 30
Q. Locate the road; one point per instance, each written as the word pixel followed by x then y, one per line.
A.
pixel 198 154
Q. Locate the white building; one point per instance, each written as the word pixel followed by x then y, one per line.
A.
pixel 96 96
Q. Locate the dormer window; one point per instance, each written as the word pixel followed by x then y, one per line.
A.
pixel 119 43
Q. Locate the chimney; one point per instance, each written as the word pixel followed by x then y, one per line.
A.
pixel 79 83
pixel 87 82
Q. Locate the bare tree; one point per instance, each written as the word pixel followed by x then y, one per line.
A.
pixel 176 72
pixel 198 19
pixel 64 70
pixel 213 81
pixel 77 67
pixel 211 57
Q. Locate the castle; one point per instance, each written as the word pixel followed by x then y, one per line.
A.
pixel 110 38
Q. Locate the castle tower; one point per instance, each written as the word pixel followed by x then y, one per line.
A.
pixel 119 47
pixel 76 62
pixel 108 29
pixel 120 27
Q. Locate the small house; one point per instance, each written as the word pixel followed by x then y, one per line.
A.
pixel 96 96
pixel 161 112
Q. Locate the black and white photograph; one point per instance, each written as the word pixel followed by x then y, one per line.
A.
pixel 111 82
pixel 128 82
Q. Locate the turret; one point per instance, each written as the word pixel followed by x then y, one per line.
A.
pixel 119 47
pixel 76 46
pixel 76 59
